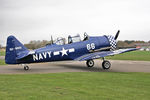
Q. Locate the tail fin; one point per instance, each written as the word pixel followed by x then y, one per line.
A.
pixel 13 47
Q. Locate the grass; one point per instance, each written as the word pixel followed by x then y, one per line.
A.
pixel 76 86
pixel 2 62
pixel 134 55
pixel 2 53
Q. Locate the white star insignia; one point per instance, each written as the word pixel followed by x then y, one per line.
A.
pixel 64 52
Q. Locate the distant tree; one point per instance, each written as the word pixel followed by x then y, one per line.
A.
pixel 36 44
pixel 129 41
pixel 140 42
pixel 122 44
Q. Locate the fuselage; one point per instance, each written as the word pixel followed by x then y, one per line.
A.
pixel 66 52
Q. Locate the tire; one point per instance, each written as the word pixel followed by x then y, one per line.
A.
pixel 106 64
pixel 90 63
pixel 26 68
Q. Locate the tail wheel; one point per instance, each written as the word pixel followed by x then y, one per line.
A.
pixel 90 63
pixel 26 68
pixel 106 64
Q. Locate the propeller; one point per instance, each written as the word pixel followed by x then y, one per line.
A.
pixel 117 34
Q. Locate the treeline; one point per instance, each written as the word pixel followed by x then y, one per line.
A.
pixel 129 43
pixel 37 44
pixel 121 44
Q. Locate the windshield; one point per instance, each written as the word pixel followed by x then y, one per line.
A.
pixel 74 39
pixel 61 41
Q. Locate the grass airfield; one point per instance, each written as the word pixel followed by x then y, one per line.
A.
pixel 79 85
pixel 2 53
pixel 134 56
pixel 76 86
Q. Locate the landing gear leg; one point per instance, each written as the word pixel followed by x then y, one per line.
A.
pixel 106 64
pixel 90 63
pixel 25 67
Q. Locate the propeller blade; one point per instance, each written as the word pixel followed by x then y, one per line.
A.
pixel 117 34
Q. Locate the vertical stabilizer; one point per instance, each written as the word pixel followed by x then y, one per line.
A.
pixel 13 47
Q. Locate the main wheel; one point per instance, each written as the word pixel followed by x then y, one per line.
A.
pixel 106 64
pixel 26 68
pixel 90 63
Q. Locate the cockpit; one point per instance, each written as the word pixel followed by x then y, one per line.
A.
pixel 71 39
pixel 74 39
pixel 60 41
pixel 77 38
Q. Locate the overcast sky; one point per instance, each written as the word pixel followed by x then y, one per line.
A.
pixel 39 19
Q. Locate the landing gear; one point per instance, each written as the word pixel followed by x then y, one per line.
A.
pixel 90 63
pixel 106 64
pixel 25 67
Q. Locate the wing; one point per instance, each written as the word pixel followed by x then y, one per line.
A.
pixel 102 54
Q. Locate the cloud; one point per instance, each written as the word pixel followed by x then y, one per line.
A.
pixel 38 19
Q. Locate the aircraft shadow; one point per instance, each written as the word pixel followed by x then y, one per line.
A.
pixel 83 68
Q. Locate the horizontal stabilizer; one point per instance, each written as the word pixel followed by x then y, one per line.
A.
pixel 24 54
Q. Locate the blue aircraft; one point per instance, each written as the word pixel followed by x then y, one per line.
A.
pixel 76 49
